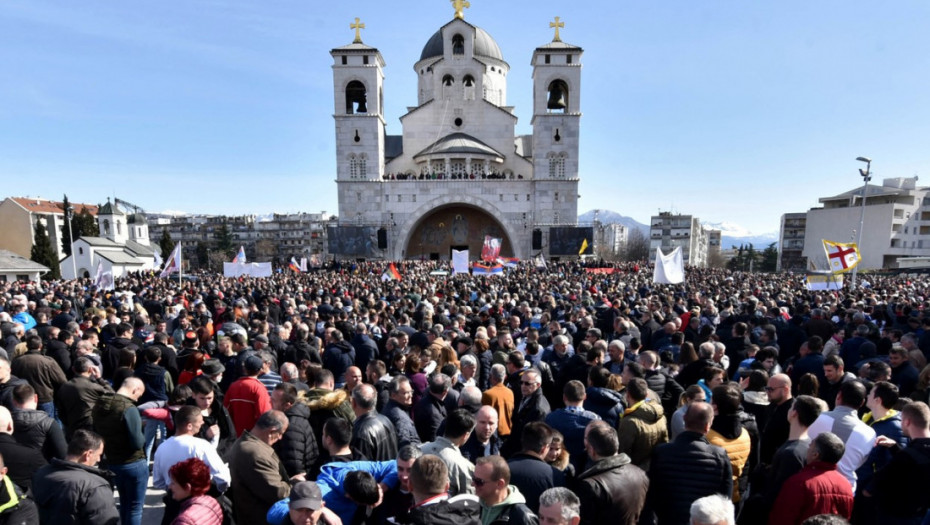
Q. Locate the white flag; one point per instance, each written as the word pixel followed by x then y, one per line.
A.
pixel 158 260
pixel 459 262
pixel 670 269
pixel 103 280
pixel 303 264
pixel 174 262
pixel 540 261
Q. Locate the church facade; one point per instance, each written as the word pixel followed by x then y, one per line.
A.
pixel 458 172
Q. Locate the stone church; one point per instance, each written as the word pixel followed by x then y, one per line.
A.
pixel 458 172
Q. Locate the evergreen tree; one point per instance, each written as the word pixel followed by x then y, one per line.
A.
pixel 769 258
pixel 87 225
pixel 43 253
pixel 166 244
pixel 66 231
pixel 203 254
pixel 224 239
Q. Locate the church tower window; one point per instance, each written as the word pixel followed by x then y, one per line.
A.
pixel 106 227
pixel 447 80
pixel 356 98
pixel 458 45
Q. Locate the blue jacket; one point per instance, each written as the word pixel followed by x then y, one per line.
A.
pixel 330 481
pixel 889 426
pixel 571 423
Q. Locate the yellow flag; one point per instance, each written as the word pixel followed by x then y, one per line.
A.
pixel 584 246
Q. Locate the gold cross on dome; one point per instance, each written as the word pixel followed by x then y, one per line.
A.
pixel 357 26
pixel 460 6
pixel 557 24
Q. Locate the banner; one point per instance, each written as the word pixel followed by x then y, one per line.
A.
pixel 508 262
pixel 670 269
pixel 841 257
pixel 584 246
pixel 391 273
pixel 459 262
pixel 491 249
pixel 607 271
pixel 824 281
pixel 303 264
pixel 247 269
pixel 103 280
pixel 487 269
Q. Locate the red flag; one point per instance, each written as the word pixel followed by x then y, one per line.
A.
pixel 491 249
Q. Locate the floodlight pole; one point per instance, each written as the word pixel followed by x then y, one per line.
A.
pixel 69 214
pixel 866 177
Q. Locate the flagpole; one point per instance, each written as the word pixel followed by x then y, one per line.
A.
pixel 180 264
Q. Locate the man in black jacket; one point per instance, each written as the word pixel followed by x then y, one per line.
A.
pixel 77 397
pixel 501 502
pixel 373 434
pixel 687 468
pixel 429 483
pixel 34 428
pixel 612 489
pixel 297 449
pixel 533 407
pixel 397 409
pixel 74 488
pixel 21 461
pixel 430 410
pixel 529 470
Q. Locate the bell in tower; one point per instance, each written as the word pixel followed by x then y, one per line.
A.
pixel 557 96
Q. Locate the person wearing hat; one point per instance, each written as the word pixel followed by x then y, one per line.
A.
pixel 247 398
pixel 304 507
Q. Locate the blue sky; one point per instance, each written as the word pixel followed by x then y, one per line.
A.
pixel 730 110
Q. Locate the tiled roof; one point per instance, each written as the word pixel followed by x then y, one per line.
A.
pixel 46 206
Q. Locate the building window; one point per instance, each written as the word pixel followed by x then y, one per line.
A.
pixel 356 96
pixel 353 167
pixel 568 59
pixel 558 97
pixel 365 60
pixel 345 60
pixel 548 59
pixel 557 166
pixel 80 251
pixel 106 227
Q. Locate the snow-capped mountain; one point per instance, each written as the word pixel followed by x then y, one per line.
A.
pixel 732 234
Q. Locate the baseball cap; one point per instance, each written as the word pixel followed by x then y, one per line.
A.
pixel 306 495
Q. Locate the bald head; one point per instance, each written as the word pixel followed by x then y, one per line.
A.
pixel 6 421
pixel 132 387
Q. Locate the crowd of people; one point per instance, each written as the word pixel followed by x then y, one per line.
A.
pixel 564 395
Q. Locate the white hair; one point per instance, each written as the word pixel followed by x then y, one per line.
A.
pixel 711 510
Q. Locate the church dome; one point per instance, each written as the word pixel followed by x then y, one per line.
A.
pixel 485 46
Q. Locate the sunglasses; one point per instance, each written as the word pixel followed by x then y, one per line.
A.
pixel 478 482
pixel 528 383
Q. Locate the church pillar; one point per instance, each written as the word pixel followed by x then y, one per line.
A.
pixel 467 165
pixel 448 168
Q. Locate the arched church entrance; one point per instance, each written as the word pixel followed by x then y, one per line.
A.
pixel 455 227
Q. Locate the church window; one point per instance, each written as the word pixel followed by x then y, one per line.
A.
pixel 458 45
pixel 527 197
pixel 548 59
pixel 458 122
pixel 365 60
pixel 557 101
pixel 356 97
pixel 362 166
pixel 469 81
pixel 447 80
pixel 568 59
pixel 345 60
pixel 353 167
pixel 119 228
pixel 80 251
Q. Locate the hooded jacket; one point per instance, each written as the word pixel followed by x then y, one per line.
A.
pixel 606 403
pixel 728 433
pixel 641 429
pixel 460 510
pixel 297 449
pixel 324 404
pixel 512 510
pixel 337 358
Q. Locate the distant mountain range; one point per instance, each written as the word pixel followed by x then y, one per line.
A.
pixel 732 235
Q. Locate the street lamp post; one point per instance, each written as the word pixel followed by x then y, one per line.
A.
pixel 69 214
pixel 866 177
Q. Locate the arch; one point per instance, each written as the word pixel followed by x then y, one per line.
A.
pixel 356 97
pixel 469 87
pixel 458 44
pixel 476 206
pixel 106 226
pixel 557 96
pixel 448 80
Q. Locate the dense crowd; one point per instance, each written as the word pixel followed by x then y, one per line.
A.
pixel 561 395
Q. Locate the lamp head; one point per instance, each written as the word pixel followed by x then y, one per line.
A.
pixel 864 159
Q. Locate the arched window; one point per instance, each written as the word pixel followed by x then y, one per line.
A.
pixel 119 228
pixel 356 98
pixel 106 227
pixel 556 165
pixel 447 80
pixel 458 45
pixel 447 89
pixel 353 166
pixel 362 166
pixel 469 81
pixel 557 101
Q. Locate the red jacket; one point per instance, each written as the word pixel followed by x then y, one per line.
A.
pixel 817 489
pixel 246 399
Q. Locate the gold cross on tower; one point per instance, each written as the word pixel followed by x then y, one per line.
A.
pixel 557 24
pixel 459 6
pixel 357 26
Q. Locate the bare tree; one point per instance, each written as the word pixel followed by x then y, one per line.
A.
pixel 637 246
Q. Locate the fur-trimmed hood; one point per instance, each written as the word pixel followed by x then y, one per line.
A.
pixel 322 399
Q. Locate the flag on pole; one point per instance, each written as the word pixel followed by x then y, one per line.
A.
pixel 240 257
pixel 541 262
pixel 487 269
pixel 293 265
pixel 841 257
pixel 103 280
pixel 174 262
pixel 390 273
pixel 491 249
pixel 584 246
pixel 670 269
pixel 158 260
pixel 508 262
